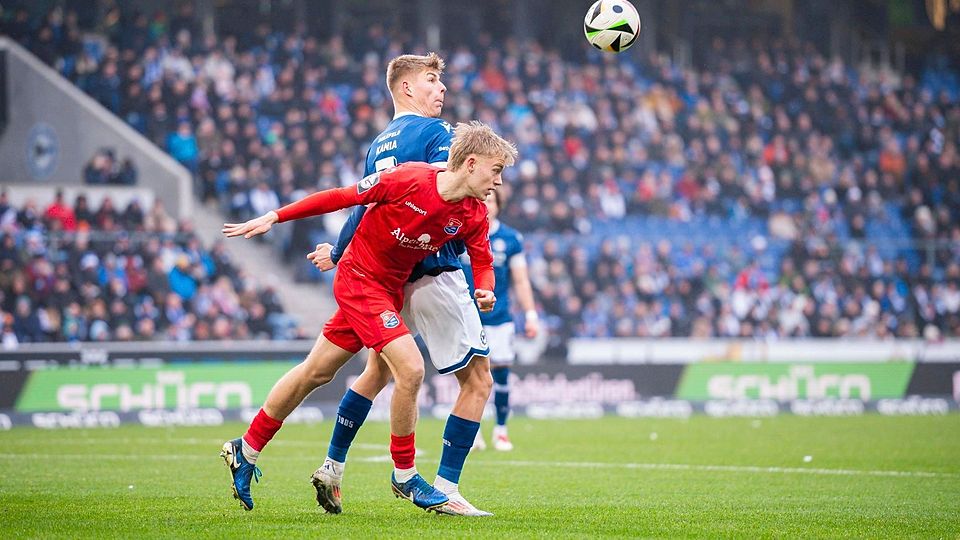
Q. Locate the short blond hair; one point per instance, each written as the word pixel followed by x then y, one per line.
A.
pixel 406 64
pixel 477 138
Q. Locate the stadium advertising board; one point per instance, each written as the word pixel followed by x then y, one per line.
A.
pixel 222 386
pixel 787 382
pixel 107 388
pixel 241 385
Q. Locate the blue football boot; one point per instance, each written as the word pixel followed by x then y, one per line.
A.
pixel 241 471
pixel 420 493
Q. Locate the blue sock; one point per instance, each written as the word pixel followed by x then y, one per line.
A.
pixel 458 437
pixel 501 393
pixel 350 416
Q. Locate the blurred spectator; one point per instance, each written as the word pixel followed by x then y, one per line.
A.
pixel 104 169
pixel 115 279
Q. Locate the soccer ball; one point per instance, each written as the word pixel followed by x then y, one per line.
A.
pixel 612 25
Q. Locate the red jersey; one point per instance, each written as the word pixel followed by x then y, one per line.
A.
pixel 410 221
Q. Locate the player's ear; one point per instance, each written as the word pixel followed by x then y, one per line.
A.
pixel 406 89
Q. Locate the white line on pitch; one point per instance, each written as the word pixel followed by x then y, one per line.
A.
pixel 184 441
pixel 701 468
pixel 518 463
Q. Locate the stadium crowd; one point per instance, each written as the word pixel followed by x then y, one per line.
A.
pixel 71 272
pixel 767 192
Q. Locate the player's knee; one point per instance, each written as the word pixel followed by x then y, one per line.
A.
pixel 479 384
pixel 484 383
pixel 319 375
pixel 409 377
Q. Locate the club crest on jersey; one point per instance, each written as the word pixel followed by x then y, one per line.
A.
pixel 453 226
pixel 368 182
pixel 390 319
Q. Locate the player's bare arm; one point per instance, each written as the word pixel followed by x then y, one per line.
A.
pixel 254 227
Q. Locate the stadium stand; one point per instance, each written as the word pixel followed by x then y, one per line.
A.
pixel 771 192
pixel 71 272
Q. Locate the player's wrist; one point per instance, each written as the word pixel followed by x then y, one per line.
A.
pixel 531 315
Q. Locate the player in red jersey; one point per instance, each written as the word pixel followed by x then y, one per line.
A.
pixel 417 208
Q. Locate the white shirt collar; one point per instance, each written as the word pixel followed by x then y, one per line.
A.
pixel 404 113
pixel 494 226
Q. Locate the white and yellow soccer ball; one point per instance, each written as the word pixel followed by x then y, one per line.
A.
pixel 612 25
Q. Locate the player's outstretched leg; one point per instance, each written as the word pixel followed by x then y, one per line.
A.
pixel 241 455
pixel 501 400
pixel 241 471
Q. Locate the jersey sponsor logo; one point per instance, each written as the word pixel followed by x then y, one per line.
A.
pixel 388 135
pixel 389 145
pixel 453 227
pixel 421 242
pixel 390 319
pixel 368 182
pixel 416 208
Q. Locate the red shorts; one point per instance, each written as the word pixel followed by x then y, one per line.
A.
pixel 368 315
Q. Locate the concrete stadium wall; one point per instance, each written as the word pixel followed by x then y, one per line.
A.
pixel 54 129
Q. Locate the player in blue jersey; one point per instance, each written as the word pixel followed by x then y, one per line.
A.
pixel 438 301
pixel 510 270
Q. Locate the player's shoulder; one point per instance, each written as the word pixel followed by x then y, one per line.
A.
pixel 434 126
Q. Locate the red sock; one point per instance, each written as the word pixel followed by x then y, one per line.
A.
pixel 402 449
pixel 261 430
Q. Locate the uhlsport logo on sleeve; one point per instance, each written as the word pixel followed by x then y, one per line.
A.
pixel 453 226
pixel 390 319
pixel 368 182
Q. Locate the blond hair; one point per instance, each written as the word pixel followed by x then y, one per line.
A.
pixel 477 138
pixel 406 64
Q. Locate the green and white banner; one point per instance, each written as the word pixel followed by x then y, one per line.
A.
pixel 220 386
pixel 786 382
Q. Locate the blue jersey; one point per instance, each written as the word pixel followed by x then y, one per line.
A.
pixel 506 243
pixel 407 138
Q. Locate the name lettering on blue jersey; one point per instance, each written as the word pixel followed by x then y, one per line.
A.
pixel 388 135
pixel 389 145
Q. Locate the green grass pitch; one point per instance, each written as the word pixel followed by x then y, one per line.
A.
pixel 867 477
